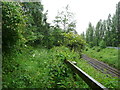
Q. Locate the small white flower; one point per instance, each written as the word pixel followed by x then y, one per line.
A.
pixel 33 55
pixel 25 45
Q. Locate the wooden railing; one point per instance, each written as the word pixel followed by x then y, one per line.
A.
pixel 88 79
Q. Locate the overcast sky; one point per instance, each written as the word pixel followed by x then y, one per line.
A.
pixel 85 10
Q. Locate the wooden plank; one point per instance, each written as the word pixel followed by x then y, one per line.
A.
pixel 88 79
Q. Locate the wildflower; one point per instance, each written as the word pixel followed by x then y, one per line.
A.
pixel 33 55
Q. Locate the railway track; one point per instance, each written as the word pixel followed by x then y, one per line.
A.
pixel 104 68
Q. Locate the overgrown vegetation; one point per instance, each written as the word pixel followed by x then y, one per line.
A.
pixel 31 58
pixel 107 55
pixel 34 51
pixel 43 68
pixel 27 27
pixel 105 79
pixel 40 68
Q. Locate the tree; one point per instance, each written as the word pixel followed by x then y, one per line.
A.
pixel 65 21
pixel 73 41
pixel 118 22
pixel 35 21
pixel 14 23
pixel 106 31
pixel 102 44
pixel 97 32
pixel 90 34
pixel 83 35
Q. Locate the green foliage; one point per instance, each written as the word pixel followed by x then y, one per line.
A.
pixel 43 68
pixel 74 41
pixel 28 67
pixel 36 23
pixel 13 22
pixel 25 24
pixel 21 25
pixel 102 44
pixel 89 35
pixel 58 38
pixel 105 30
pixel 105 79
pixel 98 50
pixel 40 68
pixel 107 55
pixel 65 20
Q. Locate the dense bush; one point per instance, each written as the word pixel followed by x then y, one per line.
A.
pixel 74 41
pixel 13 22
pixel 21 25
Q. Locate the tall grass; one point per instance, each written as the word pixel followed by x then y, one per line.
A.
pixel 105 79
pixel 40 68
pixel 43 68
pixel 107 55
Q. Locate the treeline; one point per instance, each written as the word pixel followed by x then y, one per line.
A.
pixel 106 32
pixel 26 24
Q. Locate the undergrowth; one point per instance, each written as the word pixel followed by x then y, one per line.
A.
pixel 45 68
pixel 40 68
pixel 105 79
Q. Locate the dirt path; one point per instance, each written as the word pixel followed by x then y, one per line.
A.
pixel 104 68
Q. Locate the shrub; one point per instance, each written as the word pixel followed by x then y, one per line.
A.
pixel 40 68
pixel 74 41
pixel 13 22
pixel 102 44
pixel 98 50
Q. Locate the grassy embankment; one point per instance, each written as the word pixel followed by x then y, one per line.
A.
pixel 43 68
pixel 105 79
pixel 107 55
pixel 40 68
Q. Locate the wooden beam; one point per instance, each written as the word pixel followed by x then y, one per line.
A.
pixel 88 79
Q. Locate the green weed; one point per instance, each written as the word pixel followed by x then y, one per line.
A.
pixel 105 79
pixel 107 55
pixel 40 68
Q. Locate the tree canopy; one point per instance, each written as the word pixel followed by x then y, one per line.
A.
pixel 106 32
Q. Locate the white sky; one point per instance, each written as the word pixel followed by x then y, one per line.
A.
pixel 85 10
